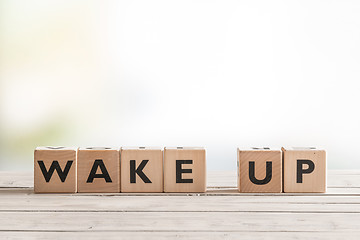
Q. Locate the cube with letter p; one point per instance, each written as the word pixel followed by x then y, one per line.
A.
pixel 304 169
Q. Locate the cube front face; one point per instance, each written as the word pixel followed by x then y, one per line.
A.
pixel 98 170
pixel 70 170
pixel 142 170
pixel 304 170
pixel 259 170
pixel 184 170
pixel 55 170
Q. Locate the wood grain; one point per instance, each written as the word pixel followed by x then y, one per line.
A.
pixel 260 157
pixel 49 156
pixel 314 181
pixel 153 169
pixel 121 203
pixel 219 213
pixel 179 221
pixel 110 158
pixel 90 235
pixel 198 169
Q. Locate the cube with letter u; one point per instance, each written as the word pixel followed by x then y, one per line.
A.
pixel 259 170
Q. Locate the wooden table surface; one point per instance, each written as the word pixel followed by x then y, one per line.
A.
pixel 220 213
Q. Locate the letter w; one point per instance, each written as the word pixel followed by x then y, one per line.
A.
pixel 55 166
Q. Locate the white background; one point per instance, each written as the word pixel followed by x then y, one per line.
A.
pixel 218 74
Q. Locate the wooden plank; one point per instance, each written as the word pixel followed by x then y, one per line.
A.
pixel 150 235
pixel 226 214
pixel 176 204
pixel 179 221
pixel 336 179
pixel 27 194
pixel 16 179
pixel 215 191
pixel 343 172
pixel 15 200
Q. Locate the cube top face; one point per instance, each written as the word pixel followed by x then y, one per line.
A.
pixel 258 149
pixel 184 148
pixel 54 148
pixel 98 169
pixel 184 170
pixel 302 149
pixel 142 170
pixel 142 148
pixel 55 170
pixel 259 170
pixel 99 148
pixel 304 170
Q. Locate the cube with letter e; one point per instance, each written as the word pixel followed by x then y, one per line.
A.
pixel 184 169
pixel 304 169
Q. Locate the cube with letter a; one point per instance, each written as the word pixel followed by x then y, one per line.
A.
pixel 142 169
pixel 259 170
pixel 98 169
pixel 55 169
pixel 304 169
pixel 184 169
